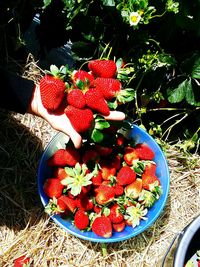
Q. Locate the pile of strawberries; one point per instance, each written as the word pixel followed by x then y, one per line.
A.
pixel 81 94
pixel 103 188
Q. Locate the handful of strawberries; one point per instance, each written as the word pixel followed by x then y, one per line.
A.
pixel 84 94
pixel 103 187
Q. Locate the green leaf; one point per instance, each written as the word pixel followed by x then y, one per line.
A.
pixel 46 3
pixel 97 136
pixel 54 70
pixel 177 95
pixel 192 94
pixel 196 69
pixel 100 125
pixel 108 2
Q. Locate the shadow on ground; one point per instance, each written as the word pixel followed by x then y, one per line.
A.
pixel 20 152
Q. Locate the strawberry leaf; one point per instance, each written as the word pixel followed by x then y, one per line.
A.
pixel 97 136
pixel 54 70
pixel 100 125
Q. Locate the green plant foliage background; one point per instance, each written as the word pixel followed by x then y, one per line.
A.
pixel 160 40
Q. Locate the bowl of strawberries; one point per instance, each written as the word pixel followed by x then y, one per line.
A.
pixel 106 191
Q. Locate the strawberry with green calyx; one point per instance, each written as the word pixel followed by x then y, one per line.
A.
pixel 125 176
pixel 119 227
pixel 116 215
pixel 62 157
pixel 134 214
pixel 150 167
pixel 109 87
pixel 147 198
pixel 77 178
pixel 53 88
pixel 107 170
pixel 152 183
pixel 130 155
pixel 76 98
pixel 81 219
pixel 53 187
pixel 112 91
pixel 95 100
pixel 102 226
pixel 22 261
pixel 81 119
pixel 97 179
pixel 82 79
pixel 144 152
pixel 103 68
pixel 104 194
pixel 134 189
pixel 60 205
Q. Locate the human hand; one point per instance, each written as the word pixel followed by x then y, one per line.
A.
pixel 60 122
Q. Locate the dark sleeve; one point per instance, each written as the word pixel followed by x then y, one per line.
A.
pixel 16 92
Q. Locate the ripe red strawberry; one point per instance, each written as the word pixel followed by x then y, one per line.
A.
pixel 81 219
pixel 119 190
pixel 125 176
pixel 85 203
pixel 103 68
pixel 53 187
pixel 82 79
pixel 94 100
pixel 76 98
pixel 103 151
pixel 116 162
pixel 97 180
pixel 109 87
pixel 81 119
pixel 130 155
pixel 62 206
pixel 52 90
pixel 144 152
pixel 120 139
pixel 22 261
pixel 104 194
pixel 150 168
pixel 62 157
pixel 115 214
pixel 97 209
pixel 90 155
pixel 107 169
pixel 60 173
pixel 134 189
pixel 102 226
pixel 119 227
pixel 150 181
pixel 69 203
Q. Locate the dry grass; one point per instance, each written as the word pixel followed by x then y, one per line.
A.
pixel 26 229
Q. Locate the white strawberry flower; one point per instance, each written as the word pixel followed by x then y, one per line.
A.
pixel 77 177
pixel 135 213
pixel 134 18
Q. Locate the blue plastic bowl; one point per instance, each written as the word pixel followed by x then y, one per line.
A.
pixel 140 136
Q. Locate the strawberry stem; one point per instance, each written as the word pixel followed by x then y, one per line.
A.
pixel 104 249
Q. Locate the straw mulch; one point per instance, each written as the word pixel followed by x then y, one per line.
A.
pixel 26 229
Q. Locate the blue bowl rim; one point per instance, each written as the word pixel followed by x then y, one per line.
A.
pixel 57 219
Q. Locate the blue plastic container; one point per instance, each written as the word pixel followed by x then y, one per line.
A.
pixel 139 136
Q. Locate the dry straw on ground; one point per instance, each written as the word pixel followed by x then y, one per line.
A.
pixel 26 229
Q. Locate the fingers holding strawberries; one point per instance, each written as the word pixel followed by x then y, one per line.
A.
pixel 72 100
